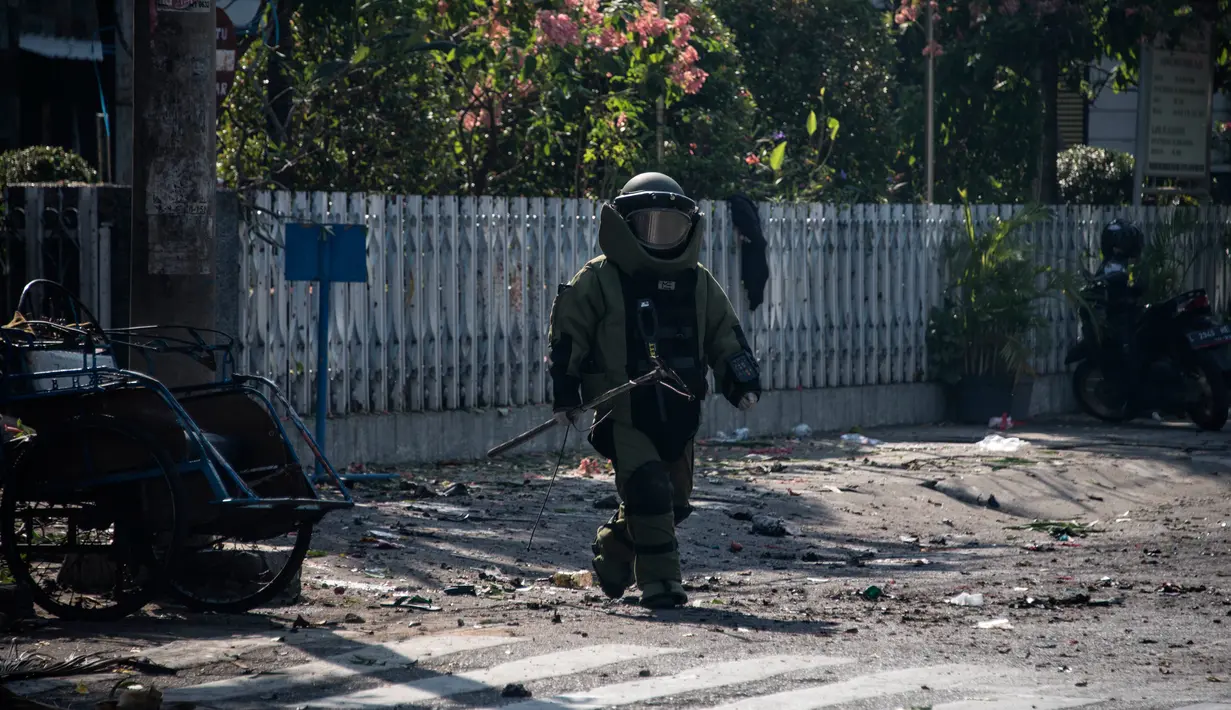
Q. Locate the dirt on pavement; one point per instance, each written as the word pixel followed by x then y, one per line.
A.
pixel 1096 550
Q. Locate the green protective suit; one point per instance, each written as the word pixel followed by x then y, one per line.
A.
pixel 601 325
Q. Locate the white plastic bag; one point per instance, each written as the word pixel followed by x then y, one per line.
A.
pixel 995 443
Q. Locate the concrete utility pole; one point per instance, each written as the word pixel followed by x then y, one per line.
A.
pixel 930 91
pixel 662 10
pixel 122 122
pixel 174 172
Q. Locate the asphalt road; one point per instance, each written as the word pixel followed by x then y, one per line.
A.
pixel 1128 607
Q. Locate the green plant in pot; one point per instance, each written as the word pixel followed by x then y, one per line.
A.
pixel 980 339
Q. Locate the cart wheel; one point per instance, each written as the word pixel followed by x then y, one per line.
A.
pixel 228 576
pixel 84 502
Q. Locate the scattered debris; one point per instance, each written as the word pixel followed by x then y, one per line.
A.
pixel 740 434
pixel 860 440
pixel 416 490
pixel 962 494
pixel 457 490
pixel 1070 600
pixel 1060 529
pixel 353 618
pixel 967 599
pixel 768 526
pixel 743 515
pixel 995 624
pixel 515 690
pixel 995 443
pixel 801 431
pixel 460 590
pixel 1170 589
pixel 872 593
pixel 573 580
pixel 735 546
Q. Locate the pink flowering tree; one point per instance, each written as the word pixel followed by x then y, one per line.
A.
pixel 559 97
pixel 549 98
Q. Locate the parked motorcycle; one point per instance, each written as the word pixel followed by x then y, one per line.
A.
pixel 1181 355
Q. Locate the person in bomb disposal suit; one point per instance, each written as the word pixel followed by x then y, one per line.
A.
pixel 647 299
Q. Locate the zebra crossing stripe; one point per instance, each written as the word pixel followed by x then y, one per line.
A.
pixel 182 655
pixel 364 661
pixel 550 665
pixel 712 676
pixel 872 685
pixel 1018 702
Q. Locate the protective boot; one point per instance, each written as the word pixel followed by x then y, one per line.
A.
pixel 651 527
pixel 663 595
pixel 613 556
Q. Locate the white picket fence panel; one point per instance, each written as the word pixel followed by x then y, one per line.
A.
pixel 454 315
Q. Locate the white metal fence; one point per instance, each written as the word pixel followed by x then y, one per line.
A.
pixel 454 314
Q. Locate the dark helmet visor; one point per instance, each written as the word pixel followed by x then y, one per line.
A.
pixel 660 228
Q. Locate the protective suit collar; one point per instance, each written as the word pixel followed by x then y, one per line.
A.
pixel 621 248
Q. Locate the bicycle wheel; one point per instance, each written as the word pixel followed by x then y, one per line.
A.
pixel 84 504
pixel 229 576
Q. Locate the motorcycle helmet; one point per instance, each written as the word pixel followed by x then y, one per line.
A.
pixel 1121 240
pixel 660 216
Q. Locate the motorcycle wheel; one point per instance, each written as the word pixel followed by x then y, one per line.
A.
pixel 1087 381
pixel 1212 414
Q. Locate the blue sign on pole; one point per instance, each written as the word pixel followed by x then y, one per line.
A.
pixel 326 254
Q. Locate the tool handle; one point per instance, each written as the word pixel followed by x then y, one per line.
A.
pixel 521 438
pixel 601 399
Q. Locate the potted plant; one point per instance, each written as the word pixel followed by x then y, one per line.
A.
pixel 979 339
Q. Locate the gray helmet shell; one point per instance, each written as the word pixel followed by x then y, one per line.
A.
pixel 651 182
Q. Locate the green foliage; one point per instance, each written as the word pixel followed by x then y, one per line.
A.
pixel 797 53
pixel 1169 254
pixel 548 98
pixel 44 164
pixel 998 60
pixel 990 309
pixel 1095 176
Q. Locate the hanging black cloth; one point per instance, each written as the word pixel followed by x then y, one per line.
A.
pixel 754 265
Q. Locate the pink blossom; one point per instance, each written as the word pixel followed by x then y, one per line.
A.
pixel 558 28
pixel 497 31
pixel 907 13
pixel 1010 7
pixel 593 15
pixel 523 88
pixel 752 159
pixel 572 4
pixel 682 20
pixel 933 50
pixel 648 23
pixel 684 72
pixel 609 40
pixel 621 120
pixel 442 7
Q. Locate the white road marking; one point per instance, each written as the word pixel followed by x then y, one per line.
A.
pixel 872 685
pixel 1207 706
pixel 177 655
pixel 551 665
pixel 1018 702
pixel 711 676
pixel 185 654
pixel 361 661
